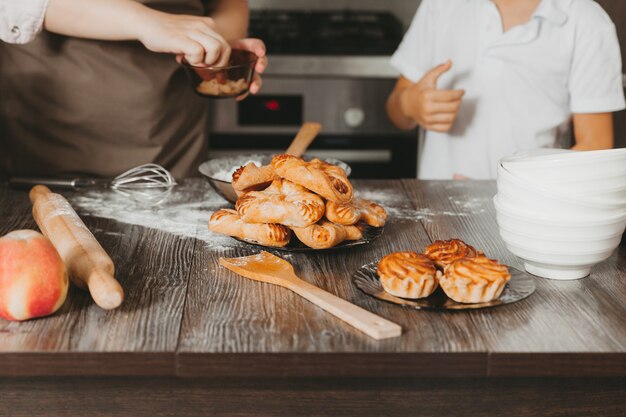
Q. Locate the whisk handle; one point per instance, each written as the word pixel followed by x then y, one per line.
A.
pixel 25 183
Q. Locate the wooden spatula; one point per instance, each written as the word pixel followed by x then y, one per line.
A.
pixel 303 139
pixel 271 269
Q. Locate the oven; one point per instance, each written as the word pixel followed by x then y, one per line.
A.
pixel 326 66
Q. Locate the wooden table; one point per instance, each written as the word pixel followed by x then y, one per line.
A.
pixel 192 337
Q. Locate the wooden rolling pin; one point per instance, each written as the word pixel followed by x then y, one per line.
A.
pixel 88 264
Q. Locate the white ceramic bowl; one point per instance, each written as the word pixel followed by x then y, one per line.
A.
pixel 603 189
pixel 537 198
pixel 557 248
pixel 558 265
pixel 553 244
pixel 556 227
pixel 554 154
pixel 574 166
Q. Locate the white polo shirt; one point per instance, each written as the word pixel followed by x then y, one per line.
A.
pixel 522 86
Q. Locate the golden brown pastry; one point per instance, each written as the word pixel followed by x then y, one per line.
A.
pixel 408 275
pixel 282 203
pixel 444 252
pixel 228 222
pixel 326 234
pixel 329 168
pixel 474 280
pixel 252 178
pixel 330 183
pixel 358 209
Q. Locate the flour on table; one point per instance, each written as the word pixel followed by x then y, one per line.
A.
pixel 185 212
pixel 400 208
pixel 474 205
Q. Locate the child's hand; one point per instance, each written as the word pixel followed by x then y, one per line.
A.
pixel 191 37
pixel 431 108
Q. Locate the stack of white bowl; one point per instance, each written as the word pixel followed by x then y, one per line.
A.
pixel 562 212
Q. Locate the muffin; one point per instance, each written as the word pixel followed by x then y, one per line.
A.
pixel 408 275
pixel 446 252
pixel 474 280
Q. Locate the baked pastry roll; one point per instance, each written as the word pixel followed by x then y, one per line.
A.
pixel 228 222
pixel 474 280
pixel 328 168
pixel 444 252
pixel 358 209
pixel 250 177
pixel 326 234
pixel 284 203
pixel 408 275
pixel 326 180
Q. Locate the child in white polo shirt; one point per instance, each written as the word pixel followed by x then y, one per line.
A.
pixel 488 78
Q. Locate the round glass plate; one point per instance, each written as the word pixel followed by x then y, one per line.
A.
pixel 369 235
pixel 521 286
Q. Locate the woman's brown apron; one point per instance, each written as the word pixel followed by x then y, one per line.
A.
pixel 90 107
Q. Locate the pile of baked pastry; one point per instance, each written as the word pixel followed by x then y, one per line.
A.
pixel 311 200
pixel 465 274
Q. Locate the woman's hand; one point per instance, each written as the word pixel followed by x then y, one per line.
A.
pixel 257 47
pixel 193 38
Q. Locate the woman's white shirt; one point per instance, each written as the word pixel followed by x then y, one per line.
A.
pixel 21 20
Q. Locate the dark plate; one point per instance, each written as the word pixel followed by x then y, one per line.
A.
pixel 521 286
pixel 369 235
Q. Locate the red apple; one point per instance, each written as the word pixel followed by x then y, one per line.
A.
pixel 33 278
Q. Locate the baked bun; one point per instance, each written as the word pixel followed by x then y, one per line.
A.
pixel 252 178
pixel 323 179
pixel 474 280
pixel 358 209
pixel 282 203
pixel 445 252
pixel 408 275
pixel 328 168
pixel 228 222
pixel 325 234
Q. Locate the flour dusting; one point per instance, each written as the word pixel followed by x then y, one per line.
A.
pixel 185 212
pixel 400 208
pixel 474 205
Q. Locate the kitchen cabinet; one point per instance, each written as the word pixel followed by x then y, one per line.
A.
pixel 192 338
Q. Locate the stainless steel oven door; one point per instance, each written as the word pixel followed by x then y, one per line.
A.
pixel 351 110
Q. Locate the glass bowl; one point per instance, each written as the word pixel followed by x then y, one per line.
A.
pixel 223 82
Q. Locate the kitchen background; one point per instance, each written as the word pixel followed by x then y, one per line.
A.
pixel 337 49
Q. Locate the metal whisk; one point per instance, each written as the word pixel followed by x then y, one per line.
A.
pixel 144 178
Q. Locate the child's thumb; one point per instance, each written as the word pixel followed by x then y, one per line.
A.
pixel 432 76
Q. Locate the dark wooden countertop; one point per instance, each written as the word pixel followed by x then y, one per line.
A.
pixel 186 316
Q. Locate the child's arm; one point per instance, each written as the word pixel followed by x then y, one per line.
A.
pixel 595 82
pixel 593 131
pixel 193 36
pixel 423 104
